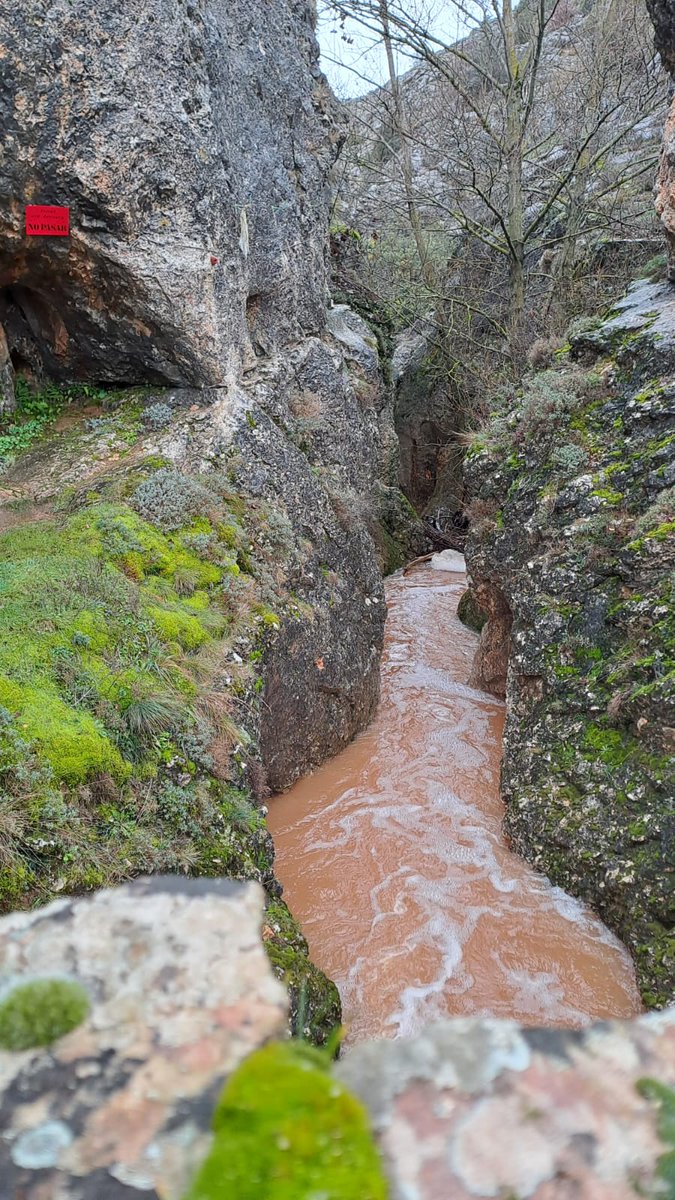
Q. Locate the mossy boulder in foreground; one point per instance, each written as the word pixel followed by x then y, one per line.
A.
pixel 285 1129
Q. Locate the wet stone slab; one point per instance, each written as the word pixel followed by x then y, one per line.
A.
pixel 482 1108
pixel 180 992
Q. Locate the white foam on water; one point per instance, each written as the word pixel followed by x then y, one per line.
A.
pixel 412 901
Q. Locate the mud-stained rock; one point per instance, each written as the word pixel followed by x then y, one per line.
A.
pixel 481 1108
pixel 192 144
pixel 492 656
pixel 180 992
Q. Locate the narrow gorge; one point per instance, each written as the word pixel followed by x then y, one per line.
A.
pixel 337 718
pixel 393 857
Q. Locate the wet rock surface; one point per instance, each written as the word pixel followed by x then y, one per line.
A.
pixel 192 145
pixel 480 1108
pixel 571 555
pixel 180 992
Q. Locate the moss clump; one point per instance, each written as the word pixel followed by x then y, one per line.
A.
pixel 315 1001
pixel 286 1130
pixel 178 627
pixel 470 613
pixel 40 1012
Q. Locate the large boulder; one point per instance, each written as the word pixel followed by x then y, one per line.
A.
pixel 480 1108
pixel 191 143
pixel 180 991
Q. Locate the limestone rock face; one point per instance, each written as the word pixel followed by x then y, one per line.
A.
pixel 180 993
pixel 191 142
pixel 571 555
pixel 481 1108
pixel 662 13
pixel 6 376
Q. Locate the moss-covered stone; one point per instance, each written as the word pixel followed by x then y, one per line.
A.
pixel 664 1096
pixel 315 1002
pixel 41 1011
pixel 470 613
pixel 286 1130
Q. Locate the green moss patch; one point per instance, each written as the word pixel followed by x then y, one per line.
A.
pixel 40 1012
pixel 286 1130
pixel 123 694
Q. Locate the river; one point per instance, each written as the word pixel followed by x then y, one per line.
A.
pixel 394 861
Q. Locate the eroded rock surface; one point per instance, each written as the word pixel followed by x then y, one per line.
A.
pixel 191 143
pixel 662 13
pixel 480 1108
pixel 180 992
pixel 571 554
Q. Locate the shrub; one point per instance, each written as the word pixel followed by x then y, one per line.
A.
pixel 569 459
pixel 542 352
pixel 581 325
pixel 156 416
pixel 169 499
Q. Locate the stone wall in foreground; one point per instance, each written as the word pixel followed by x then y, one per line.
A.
pixel 180 993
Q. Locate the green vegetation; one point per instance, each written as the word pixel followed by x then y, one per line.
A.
pixel 315 1007
pixel 108 709
pixel 34 411
pixel 285 1129
pixel 122 691
pixel 40 1012
pixel 664 1096
pixel 574 460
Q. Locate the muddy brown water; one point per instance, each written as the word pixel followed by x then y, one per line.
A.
pixel 394 861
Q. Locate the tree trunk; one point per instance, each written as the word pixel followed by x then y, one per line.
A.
pixel 515 202
pixel 401 127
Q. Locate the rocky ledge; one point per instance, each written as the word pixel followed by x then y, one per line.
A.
pixel 136 1060
pixel 571 557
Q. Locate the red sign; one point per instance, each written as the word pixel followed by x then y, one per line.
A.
pixel 47 220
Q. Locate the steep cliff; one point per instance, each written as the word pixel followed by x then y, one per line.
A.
pixel 571 556
pixel 191 142
pixel 190 576
pixel 662 13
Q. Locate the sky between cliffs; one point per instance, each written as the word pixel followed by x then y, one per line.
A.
pixel 356 67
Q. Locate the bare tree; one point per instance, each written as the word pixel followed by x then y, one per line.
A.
pixel 527 141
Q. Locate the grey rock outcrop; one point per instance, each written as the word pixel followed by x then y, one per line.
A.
pixel 180 992
pixel 662 13
pixel 192 143
pixel 571 554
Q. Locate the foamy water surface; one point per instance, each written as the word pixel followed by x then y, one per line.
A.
pixel 393 858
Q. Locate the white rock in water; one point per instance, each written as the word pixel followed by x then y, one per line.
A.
pixel 449 560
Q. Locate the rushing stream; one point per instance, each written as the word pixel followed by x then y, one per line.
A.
pixel 393 859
